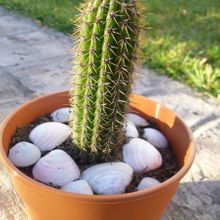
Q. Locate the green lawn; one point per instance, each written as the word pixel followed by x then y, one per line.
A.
pixel 183 41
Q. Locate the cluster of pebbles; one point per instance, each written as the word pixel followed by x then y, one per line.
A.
pixel 140 155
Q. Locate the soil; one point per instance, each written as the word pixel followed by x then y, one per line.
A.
pixel 168 169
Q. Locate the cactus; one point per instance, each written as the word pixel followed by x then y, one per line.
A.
pixel 107 32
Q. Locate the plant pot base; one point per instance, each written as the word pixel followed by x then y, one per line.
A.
pixel 45 203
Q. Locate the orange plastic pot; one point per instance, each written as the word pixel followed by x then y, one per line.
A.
pixel 45 203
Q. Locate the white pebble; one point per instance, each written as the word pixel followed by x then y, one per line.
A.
pixel 57 167
pixel 79 186
pixel 49 135
pixel 24 154
pixel 130 130
pixel 61 115
pixel 141 155
pixel 155 137
pixel 147 182
pixel 108 178
pixel 137 120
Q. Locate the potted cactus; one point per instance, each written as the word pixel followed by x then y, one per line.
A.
pixel 96 111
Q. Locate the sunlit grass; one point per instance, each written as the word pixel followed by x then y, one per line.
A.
pixel 184 42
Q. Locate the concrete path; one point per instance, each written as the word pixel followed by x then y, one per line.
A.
pixel 36 60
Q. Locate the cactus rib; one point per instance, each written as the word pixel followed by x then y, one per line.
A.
pixel 104 66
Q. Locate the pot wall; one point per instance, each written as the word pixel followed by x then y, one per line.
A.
pixel 45 203
pixel 47 206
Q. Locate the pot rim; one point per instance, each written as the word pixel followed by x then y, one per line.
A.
pixel 137 195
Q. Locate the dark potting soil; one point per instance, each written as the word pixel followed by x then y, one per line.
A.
pixel 168 169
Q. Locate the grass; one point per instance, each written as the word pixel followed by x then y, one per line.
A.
pixel 183 41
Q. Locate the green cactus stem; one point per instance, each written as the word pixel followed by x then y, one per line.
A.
pixel 107 37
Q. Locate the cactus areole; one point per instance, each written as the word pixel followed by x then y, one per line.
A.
pixel 107 37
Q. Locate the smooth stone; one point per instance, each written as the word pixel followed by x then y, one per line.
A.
pixel 131 130
pixel 49 135
pixel 79 187
pixel 155 137
pixel 61 115
pixel 147 182
pixel 24 154
pixel 108 178
pixel 141 155
pixel 56 168
pixel 137 120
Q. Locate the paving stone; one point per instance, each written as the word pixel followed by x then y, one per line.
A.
pixel 33 38
pixel 190 106
pixel 49 77
pixel 14 53
pixel 7 106
pixel 11 87
pixel 3 12
pixel 198 197
pixel 11 207
pixel 12 93
pixel 11 24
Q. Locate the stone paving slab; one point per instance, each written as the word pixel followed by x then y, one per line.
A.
pixel 36 60
pixel 12 25
pixel 198 197
pixel 190 106
pixel 48 77
pixel 9 87
pixel 9 105
pixel 23 54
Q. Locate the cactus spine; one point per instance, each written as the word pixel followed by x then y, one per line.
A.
pixel 105 52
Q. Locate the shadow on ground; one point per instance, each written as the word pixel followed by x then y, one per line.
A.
pixel 195 201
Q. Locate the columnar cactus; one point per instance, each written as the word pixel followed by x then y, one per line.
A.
pixel 105 52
